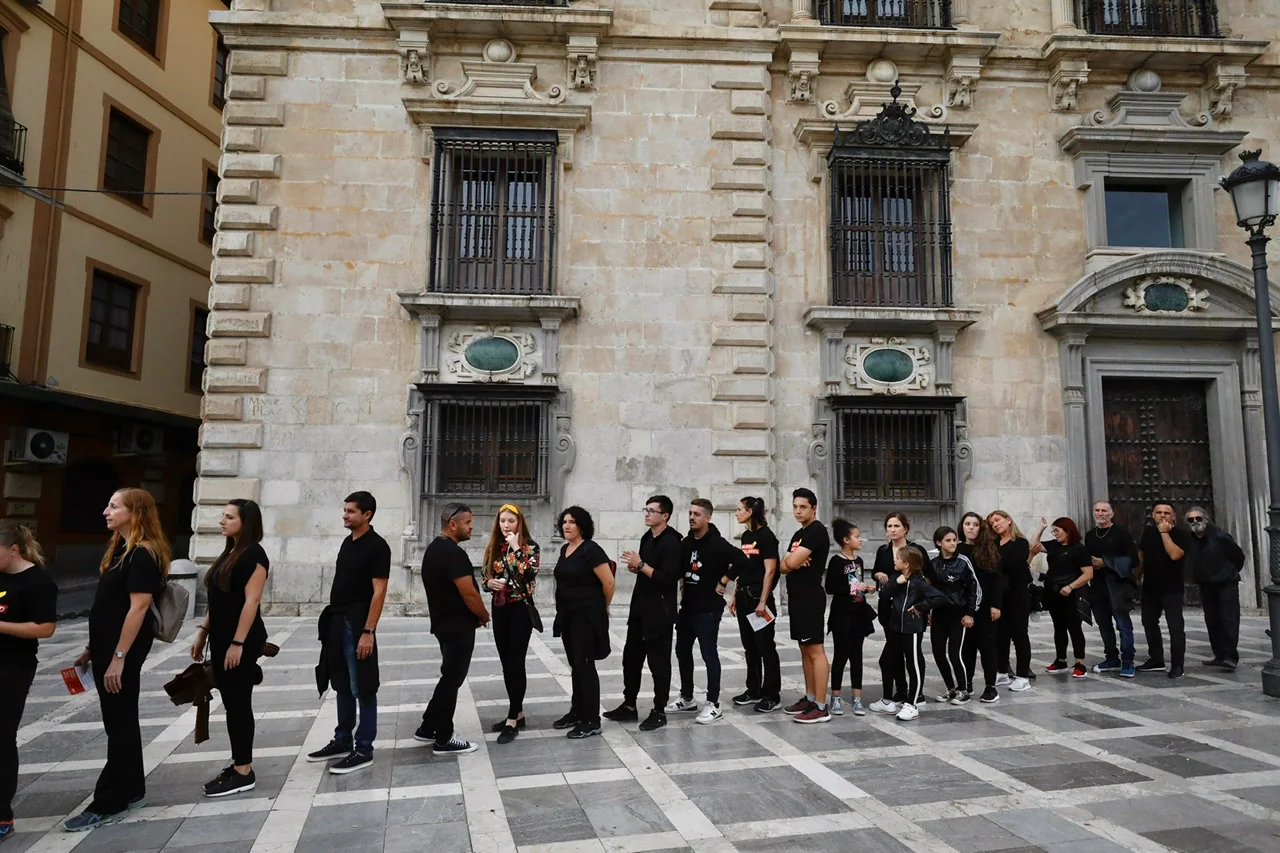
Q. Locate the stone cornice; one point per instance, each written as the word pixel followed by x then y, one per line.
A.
pixel 1149 51
pixel 489 307
pixel 819 133
pixel 490 21
pixel 899 45
pixel 865 319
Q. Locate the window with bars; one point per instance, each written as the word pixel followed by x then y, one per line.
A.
pixel 113 306
pixel 493 212
pixel 1178 18
pixel 902 453
pixel 128 147
pixel 199 337
pixel 486 446
pixel 890 230
pixel 209 207
pixel 912 14
pixel 220 56
pixel 139 21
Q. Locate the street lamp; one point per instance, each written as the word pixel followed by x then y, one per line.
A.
pixel 1255 192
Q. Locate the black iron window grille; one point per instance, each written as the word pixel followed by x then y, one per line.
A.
pixel 6 350
pixel 220 57
pixel 209 212
pixel 13 146
pixel 113 305
pixel 128 148
pixel 904 453
pixel 910 14
pixel 493 212
pixel 140 21
pixel 1177 18
pixel 890 230
pixel 199 338
pixel 487 446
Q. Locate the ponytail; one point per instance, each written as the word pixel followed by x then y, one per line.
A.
pixel 19 534
pixel 756 506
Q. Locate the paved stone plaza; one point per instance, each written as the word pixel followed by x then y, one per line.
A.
pixel 1082 766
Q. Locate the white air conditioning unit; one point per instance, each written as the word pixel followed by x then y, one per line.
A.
pixel 140 439
pixel 38 445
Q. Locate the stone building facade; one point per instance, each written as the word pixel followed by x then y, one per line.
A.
pixel 916 254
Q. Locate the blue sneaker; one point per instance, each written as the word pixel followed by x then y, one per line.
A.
pixel 1108 665
pixel 1127 670
pixel 87 820
pixel 6 830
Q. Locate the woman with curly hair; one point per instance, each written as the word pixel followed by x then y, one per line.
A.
pixel 584 589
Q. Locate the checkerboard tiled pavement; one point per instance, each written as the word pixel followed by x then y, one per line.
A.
pixel 1100 764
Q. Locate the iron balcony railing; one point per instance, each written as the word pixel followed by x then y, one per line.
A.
pixel 1173 18
pixel 13 147
pixel 907 14
pixel 504 2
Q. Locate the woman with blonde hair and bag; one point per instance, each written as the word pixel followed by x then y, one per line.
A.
pixel 510 565
pixel 121 630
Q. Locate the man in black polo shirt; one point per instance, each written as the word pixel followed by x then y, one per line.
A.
pixel 350 653
pixel 803 565
pixel 1161 553
pixel 658 570
pixel 453 601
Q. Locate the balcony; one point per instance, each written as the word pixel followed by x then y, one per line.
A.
pixel 560 3
pixel 1161 18
pixel 904 14
pixel 13 146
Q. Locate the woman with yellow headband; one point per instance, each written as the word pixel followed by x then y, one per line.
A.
pixel 510 566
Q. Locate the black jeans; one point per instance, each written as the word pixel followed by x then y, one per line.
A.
pixel 1113 598
pixel 512 628
pixel 893 672
pixel 455 659
pixel 981 640
pixel 579 636
pixel 236 687
pixel 760 650
pixel 913 665
pixel 123 778
pixel 1012 627
pixel 1221 602
pixel 635 651
pixel 848 650
pixel 1066 623
pixel 16 678
pixel 1155 603
pixel 704 627
pixel 948 637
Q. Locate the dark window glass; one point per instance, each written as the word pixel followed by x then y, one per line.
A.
pixel 220 74
pixel 87 486
pixel 895 453
pixel 113 308
pixel 126 168
pixel 209 227
pixel 140 21
pixel 481 447
pixel 199 337
pixel 1144 215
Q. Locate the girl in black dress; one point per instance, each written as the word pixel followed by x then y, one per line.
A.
pixel 852 620
pixel 584 589
pixel 28 613
pixel 981 549
pixel 121 630
pixel 235 634
pixel 1070 570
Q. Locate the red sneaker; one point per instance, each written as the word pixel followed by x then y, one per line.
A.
pixel 814 715
pixel 1057 667
pixel 801 705
pixel 1078 671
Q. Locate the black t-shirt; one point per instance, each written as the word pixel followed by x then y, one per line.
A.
pixel 759 545
pixel 1114 541
pixel 443 563
pixel 26 596
pixel 1014 555
pixel 1066 563
pixel 818 541
pixel 225 607
pixel 842 583
pixel 577 586
pixel 359 562
pixel 1159 573
pixel 137 572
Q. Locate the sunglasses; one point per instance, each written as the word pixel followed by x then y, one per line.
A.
pixel 1194 518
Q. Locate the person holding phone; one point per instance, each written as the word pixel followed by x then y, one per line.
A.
pixel 852 619
pixel 511 562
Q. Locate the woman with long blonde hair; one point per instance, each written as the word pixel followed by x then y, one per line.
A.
pixel 121 630
pixel 511 562
pixel 1015 552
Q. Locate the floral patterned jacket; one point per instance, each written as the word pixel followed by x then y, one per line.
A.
pixel 519 567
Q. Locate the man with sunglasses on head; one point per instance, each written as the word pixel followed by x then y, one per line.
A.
pixel 1217 560
pixel 651 621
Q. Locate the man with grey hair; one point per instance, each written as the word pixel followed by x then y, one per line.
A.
pixel 456 610
pixel 1217 561
pixel 1114 556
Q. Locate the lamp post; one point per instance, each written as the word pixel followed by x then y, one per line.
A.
pixel 1255 192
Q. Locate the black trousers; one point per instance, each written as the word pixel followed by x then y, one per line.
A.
pixel 1154 604
pixel 512 628
pixel 657 651
pixel 456 648
pixel 1066 623
pixel 760 650
pixel 893 671
pixel 1221 602
pixel 579 637
pixel 705 628
pixel 948 637
pixel 16 678
pixel 913 665
pixel 236 688
pixel 1013 625
pixel 981 640
pixel 848 650
pixel 123 779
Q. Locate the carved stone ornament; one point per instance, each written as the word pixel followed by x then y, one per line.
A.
pixel 1221 88
pixel 1141 104
pixel 888 366
pixel 866 99
pixel 1065 82
pixel 581 69
pixel 802 71
pixel 497 78
pixel 492 354
pixel 962 78
pixel 1165 294
pixel 414 57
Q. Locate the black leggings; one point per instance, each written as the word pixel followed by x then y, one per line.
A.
pixel 1066 621
pixel 16 678
pixel 512 628
pixel 913 665
pixel 1013 627
pixel 236 688
pixel 893 672
pixel 848 649
pixel 981 639
pixel 948 637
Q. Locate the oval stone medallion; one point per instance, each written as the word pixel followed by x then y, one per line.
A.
pixel 1166 297
pixel 888 365
pixel 491 355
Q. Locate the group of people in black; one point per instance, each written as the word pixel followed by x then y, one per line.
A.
pixel 974 596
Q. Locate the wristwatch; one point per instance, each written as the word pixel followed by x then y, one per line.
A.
pixel 119 655
pixel 368 631
pixel 237 643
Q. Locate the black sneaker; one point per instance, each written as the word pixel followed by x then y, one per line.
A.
pixel 1151 666
pixel 1175 672
pixel 990 695
pixel 508 734
pixel 456 746
pixel 624 713
pixel 521 723
pixel 353 762
pixel 229 782
pixel 747 698
pixel 657 719
pixel 584 730
pixel 767 706
pixel 1214 662
pixel 330 751
pixel 568 721
pixel 424 735
pixel 1229 665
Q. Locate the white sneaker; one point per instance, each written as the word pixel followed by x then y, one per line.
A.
pixel 1018 685
pixel 884 706
pixel 681 704
pixel 1003 679
pixel 709 714
pixel 908 713
pixel 837 707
